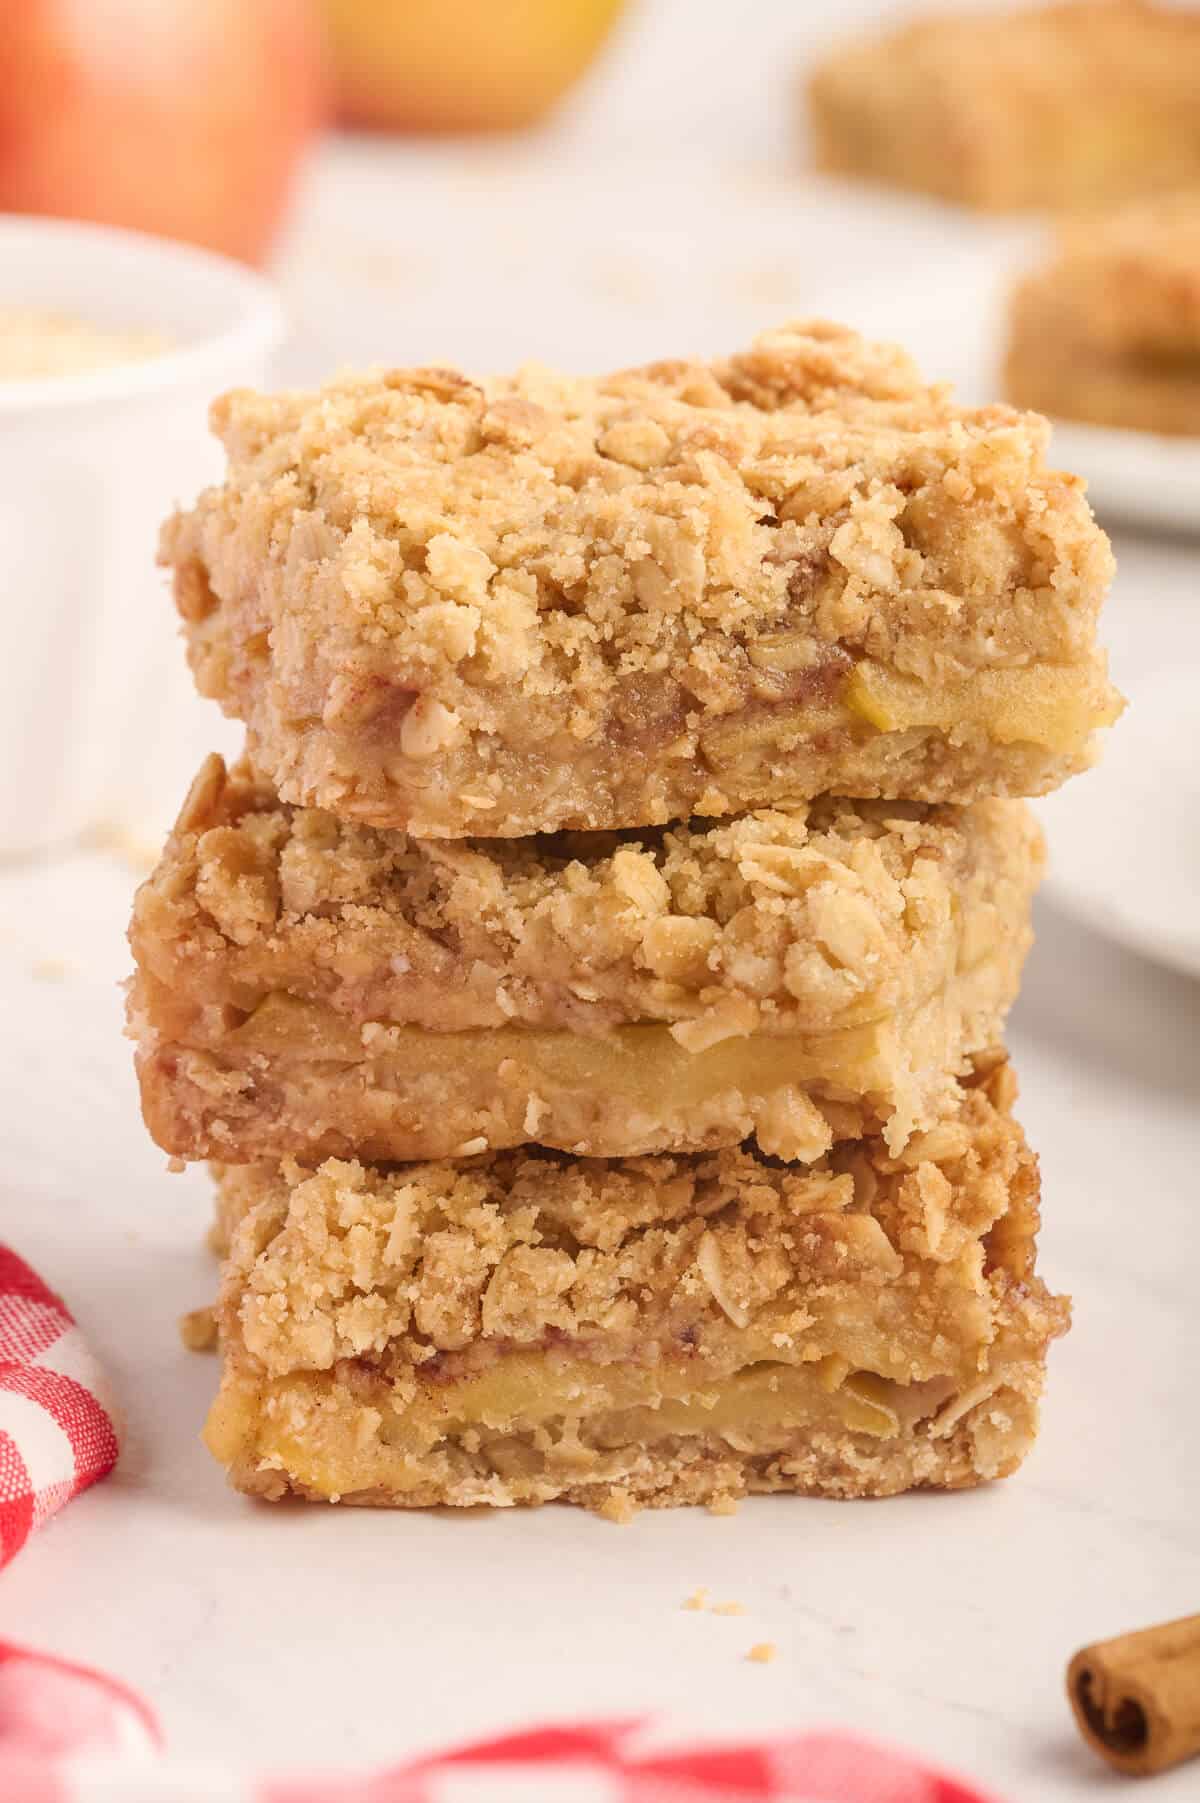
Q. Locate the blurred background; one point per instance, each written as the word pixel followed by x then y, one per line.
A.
pixel 664 206
pixel 587 183
pixel 662 203
pixel 581 180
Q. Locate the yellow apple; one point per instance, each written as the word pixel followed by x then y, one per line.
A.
pixel 459 65
pixel 181 117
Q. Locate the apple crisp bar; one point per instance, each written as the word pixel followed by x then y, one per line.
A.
pixel 493 608
pixel 1060 106
pixel 312 987
pixel 526 1327
pixel 1108 331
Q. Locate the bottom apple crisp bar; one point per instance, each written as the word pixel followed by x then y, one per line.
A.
pixel 527 1326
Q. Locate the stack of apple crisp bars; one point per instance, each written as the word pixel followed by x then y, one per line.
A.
pixel 603 1106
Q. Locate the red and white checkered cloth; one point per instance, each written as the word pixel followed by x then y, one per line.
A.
pixel 70 1735
pixel 56 1430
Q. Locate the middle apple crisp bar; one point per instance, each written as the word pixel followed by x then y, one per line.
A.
pixel 523 1326
pixel 312 987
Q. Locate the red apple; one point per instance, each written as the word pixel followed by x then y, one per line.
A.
pixel 181 117
pixel 459 65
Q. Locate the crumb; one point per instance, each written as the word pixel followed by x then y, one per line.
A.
pixel 198 1330
pixel 723 1505
pixel 176 1166
pixel 618 1506
pixel 138 853
pixel 621 281
pixel 698 1598
pixel 729 1609
pixel 51 970
pixel 763 1652
pixel 771 286
pixel 381 268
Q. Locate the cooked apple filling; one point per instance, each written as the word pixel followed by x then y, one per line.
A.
pixel 1040 705
pixel 297 1080
pixel 315 989
pixel 524 1326
pixel 529 1435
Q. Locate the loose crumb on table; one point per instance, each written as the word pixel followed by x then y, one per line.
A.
pixel 763 1652
pixel 198 1330
pixel 140 854
pixel 51 970
pixel 619 1506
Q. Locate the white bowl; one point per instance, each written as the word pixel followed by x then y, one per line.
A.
pixel 99 724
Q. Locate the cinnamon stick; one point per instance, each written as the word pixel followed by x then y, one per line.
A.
pixel 1137 1698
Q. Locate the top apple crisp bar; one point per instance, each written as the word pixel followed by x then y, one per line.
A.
pixel 1070 105
pixel 500 607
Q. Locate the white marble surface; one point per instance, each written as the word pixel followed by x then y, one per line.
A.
pixel 289 1635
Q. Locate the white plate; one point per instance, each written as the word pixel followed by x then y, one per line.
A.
pixel 1139 478
pixel 1125 841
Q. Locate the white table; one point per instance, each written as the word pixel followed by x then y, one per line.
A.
pixel 287 1635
